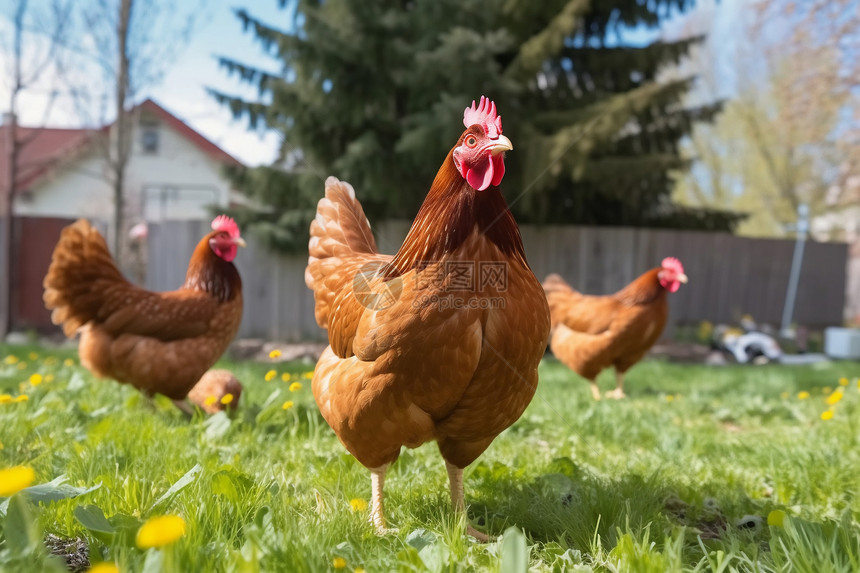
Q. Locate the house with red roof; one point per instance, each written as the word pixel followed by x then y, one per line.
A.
pixel 173 173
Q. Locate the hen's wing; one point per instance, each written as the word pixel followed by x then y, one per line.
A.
pixel 578 312
pixel 83 285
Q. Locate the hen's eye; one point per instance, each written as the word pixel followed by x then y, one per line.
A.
pixel 471 141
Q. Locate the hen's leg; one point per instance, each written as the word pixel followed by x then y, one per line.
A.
pixel 377 512
pixel 618 393
pixel 185 407
pixel 458 499
pixel 595 391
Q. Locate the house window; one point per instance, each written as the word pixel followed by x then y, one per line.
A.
pixel 149 138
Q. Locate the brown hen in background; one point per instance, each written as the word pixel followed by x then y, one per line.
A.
pixel 159 342
pixel 590 333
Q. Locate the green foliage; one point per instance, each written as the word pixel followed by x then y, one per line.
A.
pixel 373 92
pixel 644 484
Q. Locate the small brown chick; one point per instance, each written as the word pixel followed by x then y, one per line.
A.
pixel 217 390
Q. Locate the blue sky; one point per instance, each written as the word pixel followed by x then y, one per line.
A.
pixel 218 31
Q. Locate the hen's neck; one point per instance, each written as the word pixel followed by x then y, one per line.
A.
pixel 643 290
pixel 209 273
pixel 449 215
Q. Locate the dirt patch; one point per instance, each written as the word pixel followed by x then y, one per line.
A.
pixel 74 552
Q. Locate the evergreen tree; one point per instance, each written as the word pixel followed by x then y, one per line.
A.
pixel 373 93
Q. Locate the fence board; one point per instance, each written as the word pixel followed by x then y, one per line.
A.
pixel 729 275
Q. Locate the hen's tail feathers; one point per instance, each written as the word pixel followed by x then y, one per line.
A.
pixel 340 227
pixel 81 270
pixel 555 284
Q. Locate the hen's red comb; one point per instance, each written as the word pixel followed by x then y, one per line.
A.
pixel 672 264
pixel 226 224
pixel 484 115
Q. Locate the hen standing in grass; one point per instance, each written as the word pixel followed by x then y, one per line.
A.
pixel 157 342
pixel 440 342
pixel 590 333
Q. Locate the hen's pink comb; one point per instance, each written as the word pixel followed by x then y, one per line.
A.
pixel 226 224
pixel 484 115
pixel 672 264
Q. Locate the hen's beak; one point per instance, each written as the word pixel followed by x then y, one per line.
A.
pixel 682 278
pixel 500 145
pixel 240 242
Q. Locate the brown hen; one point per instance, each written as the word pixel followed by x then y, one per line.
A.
pixel 159 342
pixel 440 342
pixel 590 333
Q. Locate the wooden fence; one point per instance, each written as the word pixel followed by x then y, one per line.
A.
pixel 729 275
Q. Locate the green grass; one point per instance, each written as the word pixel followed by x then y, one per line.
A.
pixel 645 484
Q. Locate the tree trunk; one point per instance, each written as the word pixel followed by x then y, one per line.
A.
pixel 122 138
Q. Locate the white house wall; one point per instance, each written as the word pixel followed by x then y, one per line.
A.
pixel 78 189
pixel 178 182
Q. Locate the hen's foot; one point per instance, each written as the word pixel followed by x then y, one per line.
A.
pixel 616 394
pixel 478 535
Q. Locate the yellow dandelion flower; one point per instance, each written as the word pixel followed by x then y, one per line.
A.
pixel 295 386
pixel 827 415
pixel 11 359
pixel 1 445
pixel 209 400
pixel 338 562
pixel 15 479
pixel 33 356
pixel 270 375
pixel 843 381
pixel 287 405
pixel 50 360
pixel 802 395
pixel 49 377
pixel 358 504
pixel 6 398
pixel 286 376
pixel 669 398
pixel 358 570
pixel 68 362
pixel 776 518
pixel 784 395
pixel 22 398
pixel 227 398
pixel 308 375
pixel 826 390
pixel 274 354
pixel 834 398
pixel 22 365
pixel 104 568
pixel 160 531
pixel 35 379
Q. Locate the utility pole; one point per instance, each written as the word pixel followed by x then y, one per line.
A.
pixel 802 228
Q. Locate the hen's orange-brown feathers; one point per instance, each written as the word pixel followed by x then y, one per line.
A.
pixel 158 342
